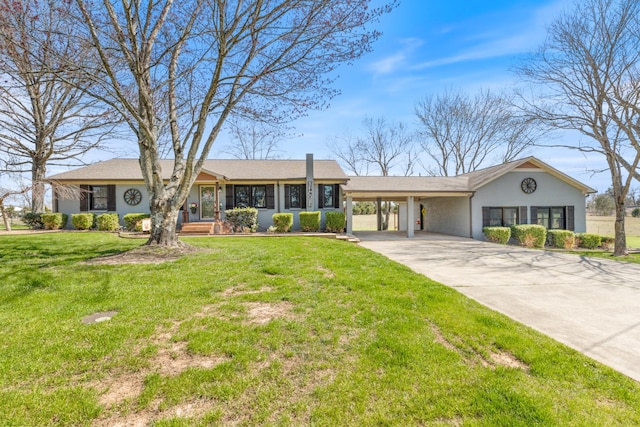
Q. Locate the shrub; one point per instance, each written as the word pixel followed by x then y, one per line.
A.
pixel 82 221
pixel 243 219
pixel 635 213
pixel 607 242
pixel 309 221
pixel 562 239
pixel 282 222
pixel 33 220
pixel 335 222
pixel 133 221
pixel 589 241
pixel 497 234
pixel 530 235
pixel 54 221
pixel 108 222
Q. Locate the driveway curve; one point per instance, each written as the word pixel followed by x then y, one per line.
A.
pixel 589 304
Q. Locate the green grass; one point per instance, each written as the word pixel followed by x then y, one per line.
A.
pixel 273 331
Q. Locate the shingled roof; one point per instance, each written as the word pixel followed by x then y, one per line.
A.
pixel 360 186
pixel 235 170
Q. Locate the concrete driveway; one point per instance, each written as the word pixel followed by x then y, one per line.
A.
pixel 591 305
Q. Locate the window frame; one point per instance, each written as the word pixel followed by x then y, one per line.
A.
pixel 490 222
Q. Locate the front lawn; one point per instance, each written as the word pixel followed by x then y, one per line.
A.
pixel 273 331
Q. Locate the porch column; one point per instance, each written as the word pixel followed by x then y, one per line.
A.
pixel 379 213
pixel 410 216
pixel 349 214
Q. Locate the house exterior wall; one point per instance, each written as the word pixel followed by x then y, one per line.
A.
pixel 505 191
pixel 265 219
pixel 446 215
pixel 72 206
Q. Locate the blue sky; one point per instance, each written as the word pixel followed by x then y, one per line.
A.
pixel 431 46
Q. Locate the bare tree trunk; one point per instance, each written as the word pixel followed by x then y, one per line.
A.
pixel 7 223
pixel 38 174
pixel 620 248
pixel 164 220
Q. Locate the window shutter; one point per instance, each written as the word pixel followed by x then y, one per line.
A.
pixel 111 198
pixel 320 196
pixel 534 215
pixel 287 196
pixel 55 200
pixel 523 215
pixel 486 216
pixel 303 195
pixel 229 196
pixel 571 222
pixel 271 204
pixel 336 196
pixel 84 198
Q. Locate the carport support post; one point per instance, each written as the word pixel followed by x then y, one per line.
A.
pixel 410 218
pixel 349 214
pixel 379 212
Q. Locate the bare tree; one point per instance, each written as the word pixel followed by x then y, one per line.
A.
pixel 461 133
pixel 254 140
pixel 382 147
pixel 191 64
pixel 585 78
pixel 45 118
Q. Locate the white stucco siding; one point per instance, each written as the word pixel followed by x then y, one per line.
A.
pixel 506 192
pixel 447 215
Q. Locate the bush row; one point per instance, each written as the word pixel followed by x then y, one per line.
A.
pixel 536 236
pixel 309 221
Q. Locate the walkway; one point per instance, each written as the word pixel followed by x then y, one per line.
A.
pixel 589 304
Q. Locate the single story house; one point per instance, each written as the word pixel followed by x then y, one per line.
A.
pixel 525 191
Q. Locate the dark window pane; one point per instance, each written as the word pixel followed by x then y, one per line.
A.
pixel 495 217
pixel 328 196
pixel 243 196
pixel 259 196
pixel 99 197
pixel 543 217
pixel 295 196
pixel 557 219
pixel 510 217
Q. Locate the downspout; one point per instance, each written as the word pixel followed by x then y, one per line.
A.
pixel 471 216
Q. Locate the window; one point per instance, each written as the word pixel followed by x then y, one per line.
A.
pixel 499 217
pixel 250 196
pixel 259 196
pixel 295 196
pixel 98 198
pixel 242 196
pixel 552 217
pixel 329 196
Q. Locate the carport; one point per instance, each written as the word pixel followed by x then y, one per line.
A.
pixel 408 191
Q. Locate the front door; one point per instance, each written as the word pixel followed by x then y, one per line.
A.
pixel 207 202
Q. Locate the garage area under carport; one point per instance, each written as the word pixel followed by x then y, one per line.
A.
pixel 436 204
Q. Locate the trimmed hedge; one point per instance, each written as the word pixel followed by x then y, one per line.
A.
pixel 82 221
pixel 243 219
pixel 561 239
pixel 54 221
pixel 334 222
pixel 497 234
pixel 33 220
pixel 282 222
pixel 309 221
pixel 133 221
pixel 108 222
pixel 589 241
pixel 530 235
